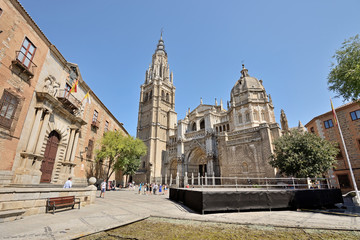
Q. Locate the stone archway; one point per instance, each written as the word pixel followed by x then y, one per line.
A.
pixel 197 162
pixel 173 168
pixel 49 157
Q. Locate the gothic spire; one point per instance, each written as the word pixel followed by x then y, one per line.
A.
pixel 160 46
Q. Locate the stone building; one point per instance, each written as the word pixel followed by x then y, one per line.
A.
pixel 235 142
pixel 47 133
pixel 157 117
pixel 324 126
pixel 232 142
pixel 23 50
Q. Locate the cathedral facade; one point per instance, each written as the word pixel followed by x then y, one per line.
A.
pixel 210 140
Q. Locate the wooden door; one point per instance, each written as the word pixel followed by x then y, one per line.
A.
pixel 49 157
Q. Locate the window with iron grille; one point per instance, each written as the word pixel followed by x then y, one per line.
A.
pixel 355 115
pixel 328 123
pixel 26 53
pixel 106 126
pixel 95 116
pixel 90 149
pixel 8 105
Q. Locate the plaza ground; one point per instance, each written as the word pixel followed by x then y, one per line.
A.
pixel 120 208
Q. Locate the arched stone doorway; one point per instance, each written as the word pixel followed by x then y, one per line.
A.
pixel 173 168
pixel 197 162
pixel 49 157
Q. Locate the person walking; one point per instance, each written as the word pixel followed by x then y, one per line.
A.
pixel 155 188
pixel 140 188
pixel 160 189
pixel 68 183
pixel 103 188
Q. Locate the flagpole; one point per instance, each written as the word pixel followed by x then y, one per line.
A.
pixel 347 157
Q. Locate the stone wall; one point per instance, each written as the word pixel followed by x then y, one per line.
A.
pixel 18 202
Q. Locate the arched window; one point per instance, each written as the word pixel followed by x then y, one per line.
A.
pixel 262 116
pixel 256 116
pixel 145 97
pixel 247 116
pixel 193 127
pixel 150 95
pixel 220 127
pixel 202 124
pixel 167 97
pixel 228 127
pixel 162 95
pixel 245 167
pixel 217 129
pixel 240 119
pixel 1 11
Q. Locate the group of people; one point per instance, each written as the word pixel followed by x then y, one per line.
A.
pixel 153 188
pixel 144 188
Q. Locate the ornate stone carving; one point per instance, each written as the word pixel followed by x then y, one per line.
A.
pixel 51 85
pixel 284 121
pixel 80 111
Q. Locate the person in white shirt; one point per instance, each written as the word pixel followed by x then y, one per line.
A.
pixel 68 183
pixel 103 188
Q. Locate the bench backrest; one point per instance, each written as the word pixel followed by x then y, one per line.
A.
pixel 61 200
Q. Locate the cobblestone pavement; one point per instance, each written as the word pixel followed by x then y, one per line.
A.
pixel 126 206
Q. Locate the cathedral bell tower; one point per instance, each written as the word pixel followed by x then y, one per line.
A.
pixel 157 117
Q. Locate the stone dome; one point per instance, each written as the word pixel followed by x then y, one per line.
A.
pixel 246 84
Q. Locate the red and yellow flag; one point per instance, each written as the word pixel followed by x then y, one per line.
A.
pixel 74 87
pixel 334 113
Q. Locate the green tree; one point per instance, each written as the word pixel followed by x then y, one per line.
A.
pixel 120 152
pixel 344 77
pixel 303 154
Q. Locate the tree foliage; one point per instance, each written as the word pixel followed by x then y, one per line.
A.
pixel 303 154
pixel 344 77
pixel 120 152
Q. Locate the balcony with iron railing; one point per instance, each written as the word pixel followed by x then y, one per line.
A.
pixel 95 123
pixel 68 100
pixel 25 64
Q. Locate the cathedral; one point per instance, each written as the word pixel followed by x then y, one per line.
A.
pixel 211 140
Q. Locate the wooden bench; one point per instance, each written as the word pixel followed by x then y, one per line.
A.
pixel 58 202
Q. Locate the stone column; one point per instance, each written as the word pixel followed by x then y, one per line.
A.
pixel 72 158
pixel 70 144
pixel 185 179
pixel 42 134
pixel 34 131
pixel 177 180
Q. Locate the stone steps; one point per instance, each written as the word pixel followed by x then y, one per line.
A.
pixel 45 185
pixel 41 185
pixel 11 215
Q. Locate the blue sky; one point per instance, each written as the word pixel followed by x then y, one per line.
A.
pixel 287 44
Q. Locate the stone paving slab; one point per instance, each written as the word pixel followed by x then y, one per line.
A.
pixel 126 206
